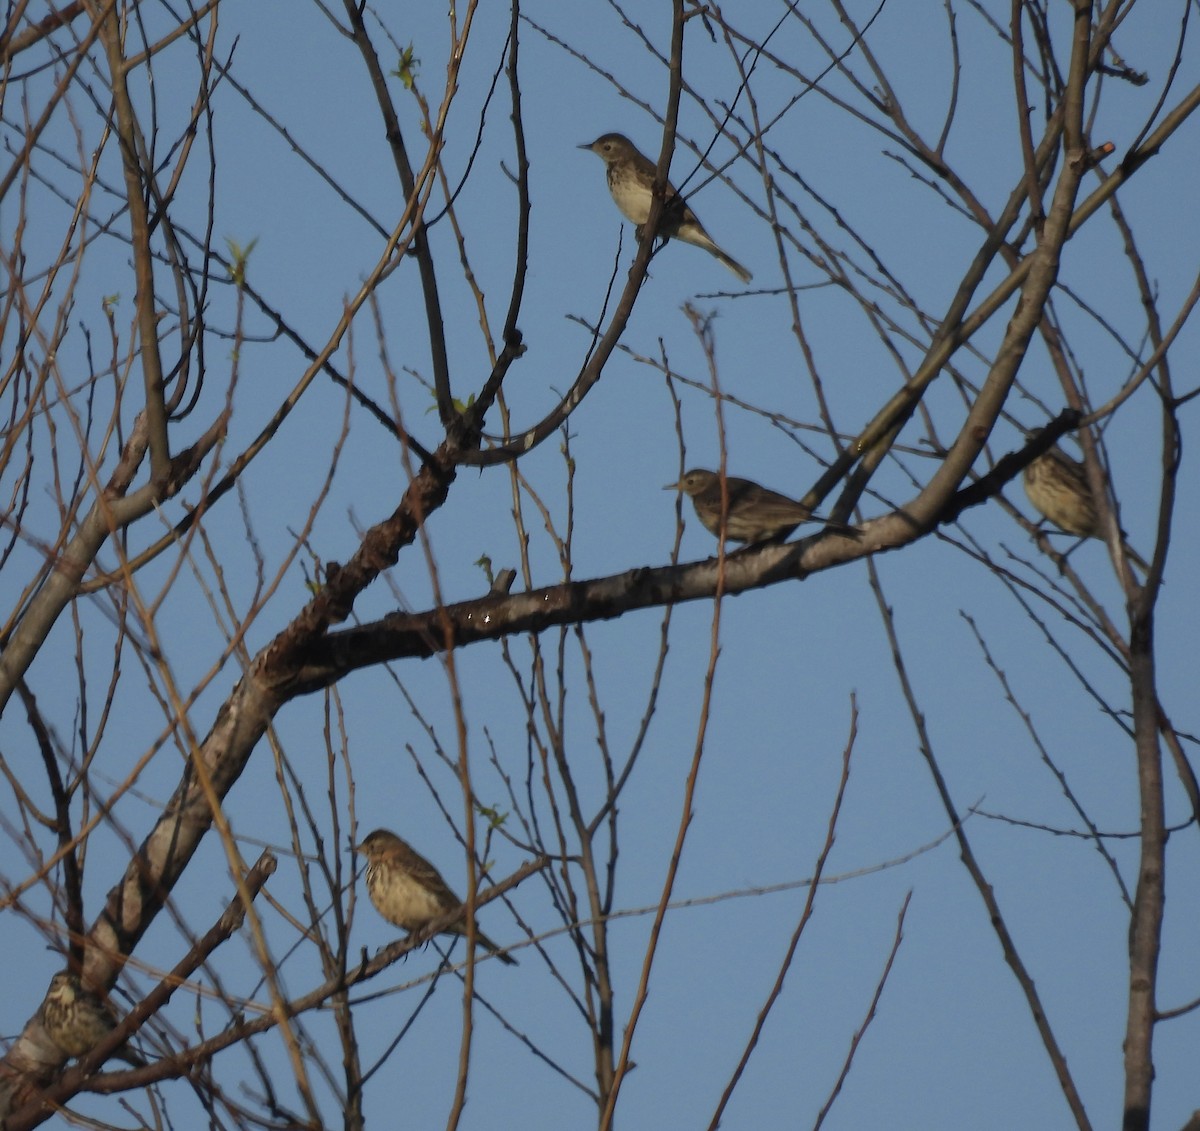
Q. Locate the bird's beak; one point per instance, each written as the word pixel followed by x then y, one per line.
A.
pixel 586 145
pixel 361 848
pixel 673 486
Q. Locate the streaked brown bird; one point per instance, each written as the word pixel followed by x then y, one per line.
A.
pixel 631 182
pixel 77 1020
pixel 409 892
pixel 1057 486
pixel 755 514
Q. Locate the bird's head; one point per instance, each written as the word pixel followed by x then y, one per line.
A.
pixel 63 987
pixel 378 843
pixel 611 147
pixel 694 482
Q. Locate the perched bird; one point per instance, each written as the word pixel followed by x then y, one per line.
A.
pixel 77 1020
pixel 409 892
pixel 630 180
pixel 1057 486
pixel 755 514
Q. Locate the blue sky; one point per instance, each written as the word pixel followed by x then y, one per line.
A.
pixel 952 1044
